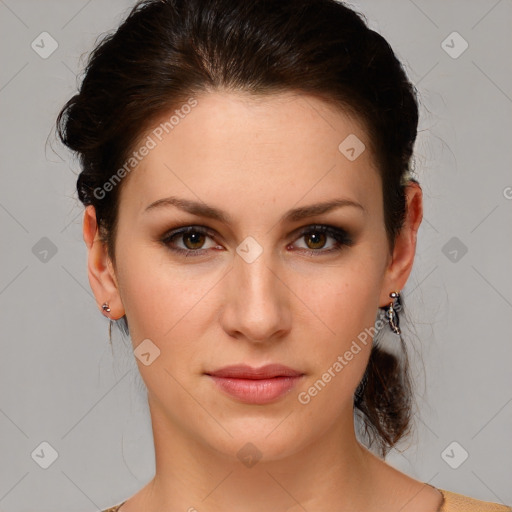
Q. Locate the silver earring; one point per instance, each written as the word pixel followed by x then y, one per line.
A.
pixel 106 308
pixel 392 313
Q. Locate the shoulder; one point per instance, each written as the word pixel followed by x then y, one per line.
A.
pixel 113 509
pixel 454 502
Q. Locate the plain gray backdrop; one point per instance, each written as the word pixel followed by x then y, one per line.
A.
pixel 69 403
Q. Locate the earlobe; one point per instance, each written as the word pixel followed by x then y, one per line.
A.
pixel 401 264
pixel 99 267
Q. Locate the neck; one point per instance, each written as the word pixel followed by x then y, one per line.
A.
pixel 330 473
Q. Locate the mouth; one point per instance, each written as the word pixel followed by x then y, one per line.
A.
pixel 255 385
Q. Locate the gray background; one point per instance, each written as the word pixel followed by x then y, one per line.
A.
pixel 60 383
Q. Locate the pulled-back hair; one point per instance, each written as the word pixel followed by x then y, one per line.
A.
pixel 167 51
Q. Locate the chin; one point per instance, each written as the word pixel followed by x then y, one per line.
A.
pixel 258 440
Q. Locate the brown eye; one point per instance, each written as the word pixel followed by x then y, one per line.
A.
pixel 188 241
pixel 196 240
pixel 317 240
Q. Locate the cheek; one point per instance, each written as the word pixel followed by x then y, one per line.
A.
pixel 151 291
pixel 164 305
pixel 347 310
pixel 345 298
pixel 339 365
pixel 165 302
pixel 141 287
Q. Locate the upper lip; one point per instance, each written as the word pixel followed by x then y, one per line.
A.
pixel 243 371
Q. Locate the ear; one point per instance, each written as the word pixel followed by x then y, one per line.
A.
pixel 400 266
pixel 100 269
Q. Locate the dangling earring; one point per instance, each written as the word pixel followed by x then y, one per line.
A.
pixel 106 308
pixel 392 313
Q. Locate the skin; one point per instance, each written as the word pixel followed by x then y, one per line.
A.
pixel 255 158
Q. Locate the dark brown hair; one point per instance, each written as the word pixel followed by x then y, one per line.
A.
pixel 166 51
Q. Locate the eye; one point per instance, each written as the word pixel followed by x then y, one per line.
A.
pixel 317 235
pixel 193 238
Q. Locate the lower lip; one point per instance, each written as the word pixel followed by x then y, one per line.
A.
pixel 256 391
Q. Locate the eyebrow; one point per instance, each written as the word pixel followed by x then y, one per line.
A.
pixel 203 210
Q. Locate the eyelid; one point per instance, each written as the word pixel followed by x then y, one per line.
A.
pixel 327 228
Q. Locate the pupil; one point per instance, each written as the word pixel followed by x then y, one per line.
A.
pixel 315 236
pixel 194 236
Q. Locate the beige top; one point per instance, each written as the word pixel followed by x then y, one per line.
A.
pixel 452 502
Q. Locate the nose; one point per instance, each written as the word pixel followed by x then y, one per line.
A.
pixel 257 301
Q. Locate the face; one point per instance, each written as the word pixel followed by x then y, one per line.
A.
pixel 268 279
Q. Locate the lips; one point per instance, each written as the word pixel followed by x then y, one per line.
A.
pixel 257 386
pixel 243 371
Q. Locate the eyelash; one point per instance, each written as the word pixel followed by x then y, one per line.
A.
pixel 339 235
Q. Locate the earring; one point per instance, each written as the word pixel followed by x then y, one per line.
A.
pixel 392 313
pixel 106 308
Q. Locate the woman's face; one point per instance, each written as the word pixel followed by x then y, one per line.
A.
pixel 260 285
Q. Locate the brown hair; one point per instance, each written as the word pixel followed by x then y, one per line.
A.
pixel 168 50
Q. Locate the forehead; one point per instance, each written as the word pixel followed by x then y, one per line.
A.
pixel 257 147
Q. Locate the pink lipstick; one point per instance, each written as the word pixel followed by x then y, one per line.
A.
pixel 256 385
